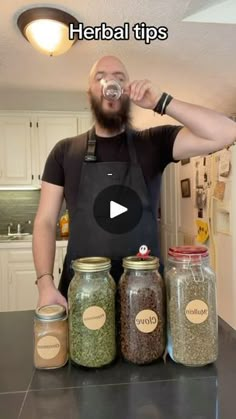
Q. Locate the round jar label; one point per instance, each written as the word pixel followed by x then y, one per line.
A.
pixel 94 317
pixel 196 311
pixel 48 347
pixel 146 321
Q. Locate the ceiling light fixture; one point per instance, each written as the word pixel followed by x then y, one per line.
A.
pixel 47 29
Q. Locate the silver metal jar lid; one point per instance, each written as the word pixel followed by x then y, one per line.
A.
pixel 51 312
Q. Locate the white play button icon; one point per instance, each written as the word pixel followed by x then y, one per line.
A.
pixel 116 209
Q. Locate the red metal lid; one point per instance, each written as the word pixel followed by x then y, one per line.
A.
pixel 192 252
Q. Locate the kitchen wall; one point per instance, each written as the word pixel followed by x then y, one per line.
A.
pixel 23 99
pixel 219 213
pixel 198 172
pixel 19 207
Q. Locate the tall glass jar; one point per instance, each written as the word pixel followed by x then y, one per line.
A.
pixel 191 306
pixel 142 310
pixel 91 300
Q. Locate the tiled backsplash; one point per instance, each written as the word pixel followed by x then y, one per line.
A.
pixel 18 207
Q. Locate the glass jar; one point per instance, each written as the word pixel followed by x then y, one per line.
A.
pixel 111 89
pixel 50 337
pixel 142 310
pixel 91 299
pixel 191 306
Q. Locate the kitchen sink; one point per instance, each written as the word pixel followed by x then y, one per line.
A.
pixel 5 237
pixel 14 237
pixel 22 236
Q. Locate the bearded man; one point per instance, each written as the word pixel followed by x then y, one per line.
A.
pixel 114 157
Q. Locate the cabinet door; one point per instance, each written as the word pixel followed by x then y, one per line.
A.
pixel 64 251
pixel 22 293
pixel 15 151
pixel 84 122
pixel 50 131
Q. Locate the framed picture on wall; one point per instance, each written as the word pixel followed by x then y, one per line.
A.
pixel 185 188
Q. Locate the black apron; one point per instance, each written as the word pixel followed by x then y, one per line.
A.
pixel 86 237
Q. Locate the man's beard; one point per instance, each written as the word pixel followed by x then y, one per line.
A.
pixel 112 121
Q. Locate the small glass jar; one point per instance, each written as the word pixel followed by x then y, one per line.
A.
pixel 50 337
pixel 142 310
pixel 111 89
pixel 191 306
pixel 91 299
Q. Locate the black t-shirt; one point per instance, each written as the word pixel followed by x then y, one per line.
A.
pixel 154 147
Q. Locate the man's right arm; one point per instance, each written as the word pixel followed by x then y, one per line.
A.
pixel 44 242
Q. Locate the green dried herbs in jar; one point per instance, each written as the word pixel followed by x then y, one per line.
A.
pixel 192 321
pixel 91 300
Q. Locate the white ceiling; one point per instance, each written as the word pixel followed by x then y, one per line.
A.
pixel 222 12
pixel 197 63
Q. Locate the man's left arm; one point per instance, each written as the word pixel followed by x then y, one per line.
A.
pixel 204 131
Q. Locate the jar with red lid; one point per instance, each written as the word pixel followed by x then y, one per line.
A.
pixel 192 323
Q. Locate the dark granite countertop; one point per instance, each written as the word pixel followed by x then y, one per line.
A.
pixel 121 391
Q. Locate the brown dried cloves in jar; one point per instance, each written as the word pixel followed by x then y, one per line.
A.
pixel 142 310
pixel 50 337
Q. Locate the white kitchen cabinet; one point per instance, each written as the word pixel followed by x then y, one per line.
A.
pixel 26 139
pixel 64 251
pixel 17 278
pixel 84 122
pixel 15 150
pixel 50 131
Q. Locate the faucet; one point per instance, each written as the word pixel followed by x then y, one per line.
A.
pixel 9 228
pixel 18 228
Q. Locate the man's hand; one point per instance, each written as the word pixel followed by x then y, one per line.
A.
pixel 49 294
pixel 143 93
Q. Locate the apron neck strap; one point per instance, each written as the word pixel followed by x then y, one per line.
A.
pixel 131 146
pixel 90 155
